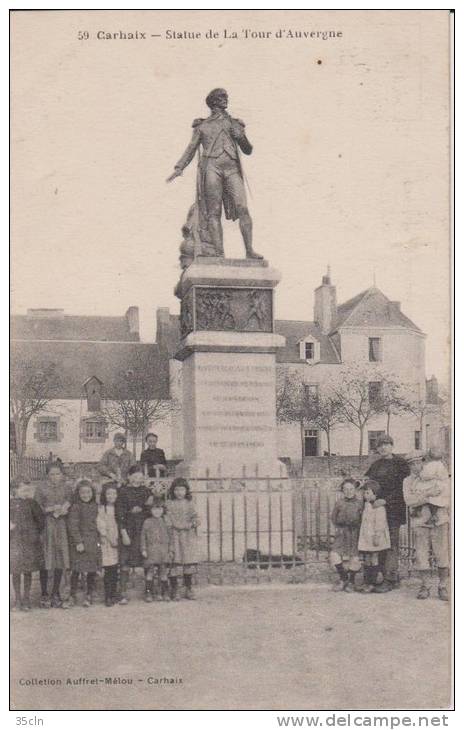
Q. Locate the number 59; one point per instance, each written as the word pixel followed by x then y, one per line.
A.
pixel 82 35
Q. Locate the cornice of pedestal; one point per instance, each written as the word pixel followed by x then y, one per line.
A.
pixel 211 271
pixel 211 341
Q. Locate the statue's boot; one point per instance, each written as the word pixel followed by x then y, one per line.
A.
pixel 253 255
pixel 246 228
pixel 216 244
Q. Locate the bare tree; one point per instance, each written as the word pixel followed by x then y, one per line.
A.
pixel 297 404
pixel 290 404
pixel 364 393
pixel 139 399
pixel 325 410
pixel 393 399
pixel 32 386
pixel 421 407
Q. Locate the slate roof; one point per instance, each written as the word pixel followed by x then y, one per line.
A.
pixel 103 347
pixel 372 308
pixel 78 361
pixel 72 327
pixel 294 331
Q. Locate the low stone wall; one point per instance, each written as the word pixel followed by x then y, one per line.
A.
pixel 339 465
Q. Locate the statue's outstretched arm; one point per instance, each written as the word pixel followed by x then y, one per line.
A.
pixel 189 153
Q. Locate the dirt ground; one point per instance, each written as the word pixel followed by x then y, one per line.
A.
pixel 262 646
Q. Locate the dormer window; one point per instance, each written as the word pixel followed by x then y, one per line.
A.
pixel 93 390
pixel 309 350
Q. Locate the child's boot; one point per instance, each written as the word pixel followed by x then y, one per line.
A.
pixel 149 591
pixel 56 600
pixel 165 590
pixel 443 593
pixel 342 578
pixel 88 600
pixel 17 591
pixel 173 588
pixel 44 600
pixel 188 588
pixel 26 603
pixel 370 576
pixel 123 583
pixel 349 587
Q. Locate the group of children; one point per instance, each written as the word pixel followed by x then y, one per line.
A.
pixel 362 533
pixel 61 528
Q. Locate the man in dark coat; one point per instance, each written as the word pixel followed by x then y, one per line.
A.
pixel 390 471
pixel 152 456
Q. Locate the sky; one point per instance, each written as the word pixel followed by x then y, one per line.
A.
pixel 350 165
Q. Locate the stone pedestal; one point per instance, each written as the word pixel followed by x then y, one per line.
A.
pixel 228 351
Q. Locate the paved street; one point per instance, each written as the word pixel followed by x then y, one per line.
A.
pixel 271 646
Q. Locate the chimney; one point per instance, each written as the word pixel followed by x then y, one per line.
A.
pixel 132 317
pixel 162 325
pixel 325 304
pixel 432 389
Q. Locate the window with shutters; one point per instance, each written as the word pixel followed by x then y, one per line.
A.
pixel 47 429
pixel 93 429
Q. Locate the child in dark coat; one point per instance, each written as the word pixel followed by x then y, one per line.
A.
pixel 26 552
pixel 83 539
pixel 55 498
pixel 155 543
pixel 346 516
pixel 131 511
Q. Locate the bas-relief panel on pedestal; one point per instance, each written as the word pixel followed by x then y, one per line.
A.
pixel 186 314
pixel 227 309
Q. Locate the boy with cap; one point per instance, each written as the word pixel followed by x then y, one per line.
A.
pixel 429 536
pixel 390 471
pixel 116 462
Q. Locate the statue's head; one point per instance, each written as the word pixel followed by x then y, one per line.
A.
pixel 217 98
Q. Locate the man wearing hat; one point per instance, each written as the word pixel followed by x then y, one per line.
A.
pixel 390 471
pixel 430 536
pixel 116 462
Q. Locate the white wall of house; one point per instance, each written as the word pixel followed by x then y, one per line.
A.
pixel 71 444
pixel 402 351
pixel 345 438
pixel 402 355
pixel 177 427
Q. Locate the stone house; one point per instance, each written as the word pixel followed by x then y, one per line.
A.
pixel 369 330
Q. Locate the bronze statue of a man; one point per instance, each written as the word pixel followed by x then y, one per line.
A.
pixel 220 177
